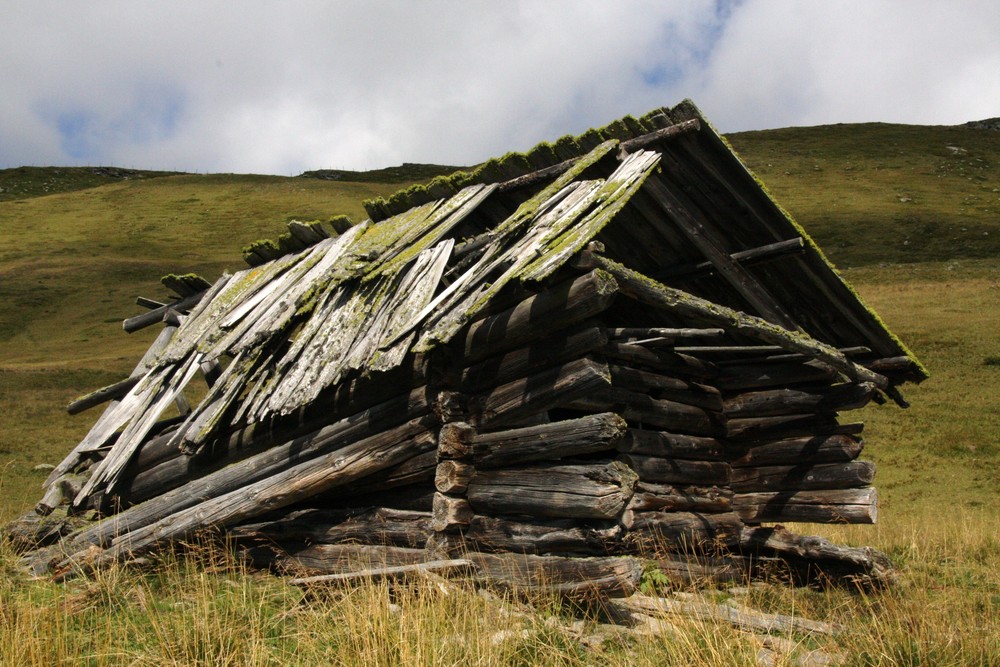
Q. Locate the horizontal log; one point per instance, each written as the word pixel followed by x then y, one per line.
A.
pixel 553 536
pixel 337 558
pixel 524 361
pixel 678 471
pixel 555 440
pixel 693 532
pixel 133 324
pixel 671 445
pixel 537 316
pixel 707 499
pixel 538 392
pixel 856 566
pixel 373 526
pixel 848 396
pixel 744 257
pixel 815 449
pixel 661 360
pixel 803 477
pixel 825 506
pixel 760 376
pixel 664 387
pixel 596 491
pixel 415 497
pixel 642 410
pixel 440 568
pixel 742 430
pixel 671 335
pixel 569 577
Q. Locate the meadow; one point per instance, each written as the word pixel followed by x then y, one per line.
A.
pixel 910 214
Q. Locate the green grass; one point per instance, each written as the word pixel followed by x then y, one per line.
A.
pixel 71 263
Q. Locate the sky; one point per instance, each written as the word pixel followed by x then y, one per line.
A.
pixel 254 86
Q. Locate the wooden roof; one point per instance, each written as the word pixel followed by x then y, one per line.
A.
pixel 664 196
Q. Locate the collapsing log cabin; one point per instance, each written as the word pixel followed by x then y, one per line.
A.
pixel 615 344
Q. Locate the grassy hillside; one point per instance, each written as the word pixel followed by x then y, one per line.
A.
pixel 911 213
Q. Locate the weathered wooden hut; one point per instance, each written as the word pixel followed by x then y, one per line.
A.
pixel 614 343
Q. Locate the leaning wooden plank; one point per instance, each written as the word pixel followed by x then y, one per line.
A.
pixel 723 613
pixel 441 568
pixel 809 449
pixel 569 577
pixel 596 491
pixel 793 478
pixel 538 392
pixel 821 506
pixel 657 295
pixel 282 489
pixel 232 478
pixel 571 437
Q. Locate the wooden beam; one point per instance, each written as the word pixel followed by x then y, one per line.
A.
pixel 133 324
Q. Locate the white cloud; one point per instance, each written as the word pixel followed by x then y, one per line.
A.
pixel 281 87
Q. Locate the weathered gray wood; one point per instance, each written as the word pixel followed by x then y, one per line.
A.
pixel 667 335
pixel 523 361
pixel 294 484
pixel 539 392
pixel 803 477
pixel 664 387
pixel 596 491
pixel 299 440
pixel 450 513
pixel 814 449
pixel 556 440
pixel 644 290
pixel 453 477
pixel 540 536
pixel 417 470
pixel 685 531
pixel 862 566
pixel 336 558
pixel 232 481
pixel 678 471
pixel 569 577
pixel 723 613
pixel 744 257
pixel 747 429
pixel 824 506
pixel 671 445
pixel 441 568
pixel 643 410
pixel 707 499
pixel 455 440
pixel 699 569
pixel 549 311
pixel 133 324
pixel 380 525
pixel 754 375
pixel 847 396
pixel 661 360
pixel 103 395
